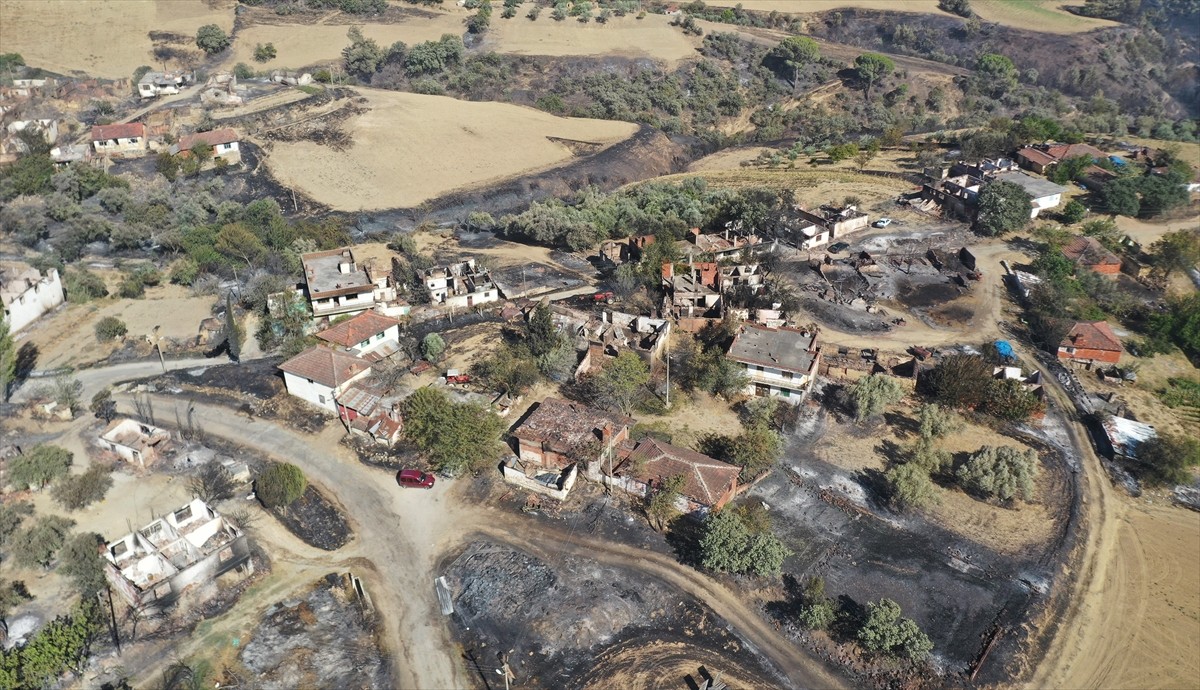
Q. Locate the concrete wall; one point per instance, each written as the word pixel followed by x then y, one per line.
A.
pixel 517 478
pixel 310 391
pixel 45 295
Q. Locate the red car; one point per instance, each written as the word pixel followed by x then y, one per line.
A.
pixel 415 479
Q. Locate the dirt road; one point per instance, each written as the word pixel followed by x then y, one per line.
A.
pixel 403 533
pixel 1134 617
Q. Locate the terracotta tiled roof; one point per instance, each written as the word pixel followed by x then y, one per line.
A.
pixel 1063 151
pixel 353 331
pixel 213 138
pixel 1088 251
pixel 705 479
pixel 566 425
pixel 1092 335
pixel 1035 156
pixel 125 131
pixel 325 366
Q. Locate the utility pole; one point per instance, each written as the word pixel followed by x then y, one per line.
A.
pixel 158 346
pixel 505 671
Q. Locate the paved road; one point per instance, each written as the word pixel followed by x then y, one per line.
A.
pixel 98 378
pixel 404 534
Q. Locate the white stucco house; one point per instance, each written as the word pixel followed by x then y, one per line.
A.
pixel 460 285
pixel 336 283
pixel 781 362
pixel 224 144
pixel 125 140
pixel 1044 193
pixel 320 374
pixel 26 294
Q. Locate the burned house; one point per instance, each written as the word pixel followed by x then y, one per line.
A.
pixel 830 222
pixel 560 433
pixel 193 545
pixel 26 294
pixel 726 244
pixel 135 442
pixel 852 364
pixel 617 332
pixel 694 293
pixel 781 362
pixel 750 277
pixel 461 284
pixel 957 196
pixel 1123 436
pixel 155 84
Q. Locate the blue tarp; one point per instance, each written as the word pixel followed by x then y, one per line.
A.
pixel 1117 160
pixel 1004 349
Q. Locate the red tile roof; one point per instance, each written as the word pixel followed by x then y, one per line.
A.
pixel 1063 151
pixel 325 366
pixel 353 331
pixel 1035 156
pixel 1088 251
pixel 705 479
pixel 125 131
pixel 213 138
pixel 1092 335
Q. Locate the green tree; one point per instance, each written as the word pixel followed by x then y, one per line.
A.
pixel 995 75
pixel 1008 399
pixel 38 466
pixel 264 53
pixel 363 56
pixel 8 360
pixel 80 561
pixel 1073 212
pixel 728 545
pixel 1003 472
pixel 541 332
pixel 237 241
pixel 12 595
pixel 37 544
pixel 507 369
pixel 936 422
pixel 871 394
pixel 211 39
pixel 62 645
pixel 12 513
pixel 661 500
pixel 456 437
pixel 110 328
pixel 887 633
pixel 870 68
pixel 622 381
pixel 959 381
pixel 1003 207
pixel 792 55
pixel 1168 458
pixel 78 491
pixel 1120 197
pixel 1174 251
pixel 66 390
pixel 280 485
pixel 909 486
pixel 960 7
pixel 433 347
pixel 817 611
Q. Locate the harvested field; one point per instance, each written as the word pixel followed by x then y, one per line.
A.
pixel 100 37
pixel 1035 15
pixel 650 37
pixel 300 45
pixel 410 148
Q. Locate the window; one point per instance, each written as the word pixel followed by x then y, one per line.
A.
pixel 321 398
pixel 785 392
pixel 788 375
pixel 365 343
pixel 310 380
pixel 183 514
pixel 758 368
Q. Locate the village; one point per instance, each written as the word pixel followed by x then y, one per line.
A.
pixel 849 423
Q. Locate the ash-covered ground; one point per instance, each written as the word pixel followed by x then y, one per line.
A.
pixel 574 623
pixel 318 640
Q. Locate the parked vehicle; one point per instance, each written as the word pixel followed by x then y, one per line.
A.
pixel 454 376
pixel 838 247
pixel 414 479
pixel 882 222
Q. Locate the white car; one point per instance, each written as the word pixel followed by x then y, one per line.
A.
pixel 882 222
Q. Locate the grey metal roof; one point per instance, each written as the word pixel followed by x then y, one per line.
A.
pixel 1036 186
pixel 781 348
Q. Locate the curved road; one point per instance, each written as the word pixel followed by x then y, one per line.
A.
pixel 433 522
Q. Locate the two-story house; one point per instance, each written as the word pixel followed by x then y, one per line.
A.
pixel 1089 342
pixel 816 229
pixel 777 361
pixel 370 335
pixel 461 285
pixel 26 294
pixel 336 283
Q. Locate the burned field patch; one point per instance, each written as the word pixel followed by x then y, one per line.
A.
pixel 972 600
pixel 320 638
pixel 574 623
pixel 315 520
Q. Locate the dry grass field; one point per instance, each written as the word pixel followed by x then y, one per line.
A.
pixel 104 38
pixel 410 148
pixel 299 45
pixel 649 37
pixel 1034 15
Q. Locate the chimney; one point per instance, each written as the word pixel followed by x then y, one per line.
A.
pixel 668 270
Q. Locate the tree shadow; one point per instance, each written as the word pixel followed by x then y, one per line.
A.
pixel 875 483
pixel 684 535
pixel 849 619
pixel 27 357
pixel 903 425
pixel 890 450
pixel 793 600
